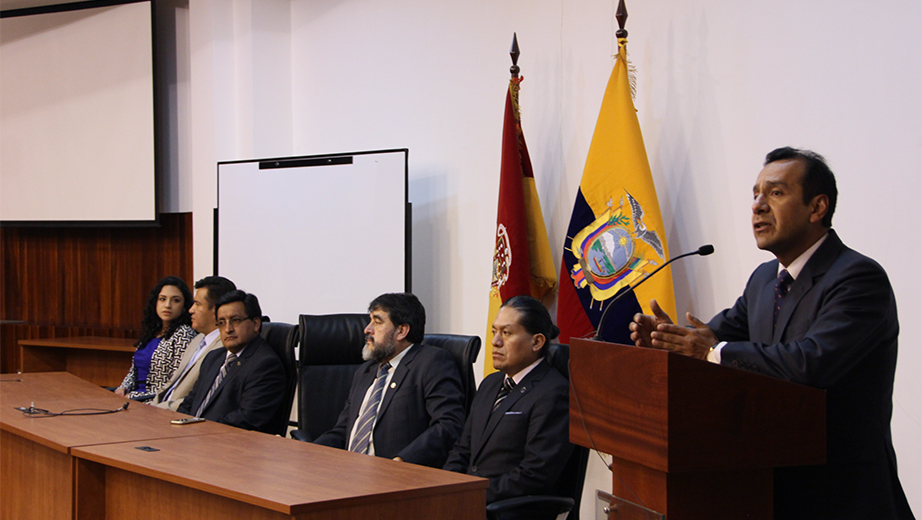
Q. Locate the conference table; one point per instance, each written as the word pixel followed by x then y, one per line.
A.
pixel 135 464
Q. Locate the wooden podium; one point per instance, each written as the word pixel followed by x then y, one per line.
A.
pixel 691 439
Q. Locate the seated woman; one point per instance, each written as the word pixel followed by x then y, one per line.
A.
pixel 165 333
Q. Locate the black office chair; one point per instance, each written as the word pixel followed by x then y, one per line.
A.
pixel 331 352
pixel 465 350
pixel 283 338
pixel 570 484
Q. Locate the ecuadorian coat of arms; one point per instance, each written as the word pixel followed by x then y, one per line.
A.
pixel 610 255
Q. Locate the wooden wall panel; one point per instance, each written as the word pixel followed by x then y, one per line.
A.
pixel 84 281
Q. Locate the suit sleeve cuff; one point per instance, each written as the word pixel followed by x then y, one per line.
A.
pixel 714 353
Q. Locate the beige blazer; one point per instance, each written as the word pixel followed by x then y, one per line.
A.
pixel 187 381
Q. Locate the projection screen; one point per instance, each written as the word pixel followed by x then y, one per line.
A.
pixel 77 115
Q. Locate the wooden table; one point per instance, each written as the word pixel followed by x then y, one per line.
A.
pixel 253 475
pixel 101 361
pixel 38 471
pixel 90 468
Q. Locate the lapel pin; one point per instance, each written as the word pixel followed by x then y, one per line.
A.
pixel 393 384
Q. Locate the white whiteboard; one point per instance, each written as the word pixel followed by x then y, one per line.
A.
pixel 77 116
pixel 314 239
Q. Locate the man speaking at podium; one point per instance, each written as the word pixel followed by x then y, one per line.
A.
pixel 821 315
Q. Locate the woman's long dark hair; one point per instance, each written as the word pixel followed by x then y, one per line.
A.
pixel 151 324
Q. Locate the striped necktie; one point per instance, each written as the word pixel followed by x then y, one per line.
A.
pixel 508 385
pixel 782 284
pixel 217 382
pixel 367 420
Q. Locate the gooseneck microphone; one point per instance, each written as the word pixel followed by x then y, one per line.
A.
pixel 703 251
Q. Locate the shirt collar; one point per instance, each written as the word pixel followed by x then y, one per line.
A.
pixel 239 353
pixel 798 264
pixel 520 375
pixel 210 337
pixel 396 361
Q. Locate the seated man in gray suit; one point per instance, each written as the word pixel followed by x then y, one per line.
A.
pixel 406 400
pixel 208 291
pixel 244 384
pixel 517 434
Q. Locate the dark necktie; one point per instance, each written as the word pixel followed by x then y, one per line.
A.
pixel 367 420
pixel 217 382
pixel 782 284
pixel 508 385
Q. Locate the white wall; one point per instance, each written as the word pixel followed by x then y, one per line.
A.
pixel 721 82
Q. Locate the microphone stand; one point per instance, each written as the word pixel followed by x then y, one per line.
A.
pixel 703 251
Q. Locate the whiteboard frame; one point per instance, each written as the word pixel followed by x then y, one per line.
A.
pixel 264 241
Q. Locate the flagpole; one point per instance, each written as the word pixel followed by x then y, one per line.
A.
pixel 621 16
pixel 514 54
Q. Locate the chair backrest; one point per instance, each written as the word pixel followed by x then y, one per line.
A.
pixel 464 349
pixel 283 338
pixel 574 473
pixel 331 352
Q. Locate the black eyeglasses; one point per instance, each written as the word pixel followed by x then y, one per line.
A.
pixel 235 321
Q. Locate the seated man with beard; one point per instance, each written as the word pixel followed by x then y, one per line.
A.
pixel 405 402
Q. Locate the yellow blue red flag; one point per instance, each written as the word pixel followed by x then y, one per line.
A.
pixel 616 234
pixel 522 262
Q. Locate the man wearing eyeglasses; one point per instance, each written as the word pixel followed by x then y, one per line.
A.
pixel 243 384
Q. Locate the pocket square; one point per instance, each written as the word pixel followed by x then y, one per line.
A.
pixel 512 413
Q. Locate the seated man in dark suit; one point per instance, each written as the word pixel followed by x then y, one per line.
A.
pixel 406 401
pixel 242 384
pixel 517 434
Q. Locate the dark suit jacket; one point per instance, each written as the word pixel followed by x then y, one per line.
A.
pixel 837 330
pixel 421 413
pixel 523 446
pixel 249 395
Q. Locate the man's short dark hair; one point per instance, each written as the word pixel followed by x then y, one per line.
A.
pixel 534 318
pixel 250 303
pixel 403 309
pixel 818 178
pixel 217 287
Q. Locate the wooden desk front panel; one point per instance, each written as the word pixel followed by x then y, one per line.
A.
pixel 135 496
pixel 36 480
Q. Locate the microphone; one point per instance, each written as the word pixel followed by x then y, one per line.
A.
pixel 703 251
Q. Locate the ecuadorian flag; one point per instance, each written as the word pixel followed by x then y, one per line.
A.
pixel 616 234
pixel 522 262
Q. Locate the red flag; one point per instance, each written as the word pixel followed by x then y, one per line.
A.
pixel 522 262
